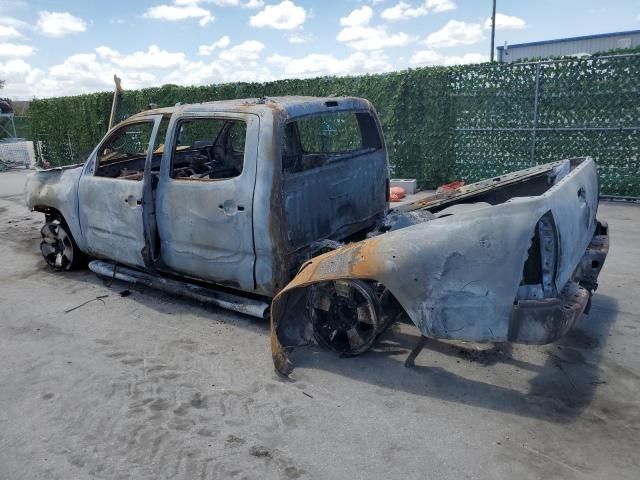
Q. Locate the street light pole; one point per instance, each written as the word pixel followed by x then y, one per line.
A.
pixel 493 29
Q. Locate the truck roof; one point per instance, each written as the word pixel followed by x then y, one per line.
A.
pixel 292 106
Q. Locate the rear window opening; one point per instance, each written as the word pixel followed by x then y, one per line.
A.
pixel 311 142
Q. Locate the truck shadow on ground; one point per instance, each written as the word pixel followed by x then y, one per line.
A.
pixel 559 391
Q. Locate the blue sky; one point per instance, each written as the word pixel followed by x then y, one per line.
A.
pixel 64 47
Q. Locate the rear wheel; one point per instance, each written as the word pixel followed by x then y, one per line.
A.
pixel 58 247
pixel 345 316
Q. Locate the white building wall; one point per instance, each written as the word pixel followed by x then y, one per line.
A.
pixel 571 47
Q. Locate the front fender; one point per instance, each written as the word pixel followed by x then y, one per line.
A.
pixel 56 189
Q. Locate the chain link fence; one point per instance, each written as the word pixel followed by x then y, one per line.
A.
pixel 16 150
pixel 527 114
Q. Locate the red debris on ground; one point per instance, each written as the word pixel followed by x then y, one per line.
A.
pixel 397 194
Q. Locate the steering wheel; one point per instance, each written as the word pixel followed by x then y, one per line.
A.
pixel 211 161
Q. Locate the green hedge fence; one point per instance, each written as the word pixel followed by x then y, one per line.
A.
pixel 440 123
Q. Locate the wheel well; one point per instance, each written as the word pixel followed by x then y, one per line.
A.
pixel 50 214
pixel 291 323
pixel 392 309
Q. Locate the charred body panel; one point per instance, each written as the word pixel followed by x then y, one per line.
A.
pixel 304 197
pixel 459 275
pixel 251 232
pixel 54 192
pixel 341 197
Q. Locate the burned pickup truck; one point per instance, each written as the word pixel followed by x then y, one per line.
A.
pixel 280 207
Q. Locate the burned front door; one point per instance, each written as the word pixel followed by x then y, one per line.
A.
pixel 111 192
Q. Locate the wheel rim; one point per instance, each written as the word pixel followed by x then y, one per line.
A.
pixel 56 246
pixel 344 316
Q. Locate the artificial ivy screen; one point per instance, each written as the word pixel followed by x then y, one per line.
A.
pixel 440 123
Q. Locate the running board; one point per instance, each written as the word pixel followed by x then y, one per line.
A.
pixel 248 306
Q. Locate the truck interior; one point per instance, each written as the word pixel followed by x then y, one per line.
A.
pixel 205 149
pixel 123 155
pixel 208 149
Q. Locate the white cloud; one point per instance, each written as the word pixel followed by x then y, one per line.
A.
pixel 9 31
pixel 84 73
pixel 372 38
pixel 80 67
pixel 177 12
pixel 153 58
pixel 359 16
pixel 279 60
pixel 359 35
pixel 220 3
pixel 107 52
pixel 431 57
pixel 223 42
pixel 403 11
pixel 59 24
pixel 246 51
pixel 506 22
pixel 425 57
pixel 237 64
pixel 226 3
pixel 93 71
pixel 253 4
pixel 19 78
pixel 297 38
pixel 455 33
pixel 15 50
pixel 314 65
pixel 440 6
pixel 466 59
pixel 201 73
pixel 283 16
pixel 13 22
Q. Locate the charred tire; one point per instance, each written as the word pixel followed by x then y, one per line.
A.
pixel 345 315
pixel 58 247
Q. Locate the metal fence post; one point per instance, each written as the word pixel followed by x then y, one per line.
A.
pixel 535 116
pixel 70 148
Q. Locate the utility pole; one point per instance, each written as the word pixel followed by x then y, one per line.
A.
pixel 493 29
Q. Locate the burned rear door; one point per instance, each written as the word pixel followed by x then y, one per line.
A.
pixel 205 198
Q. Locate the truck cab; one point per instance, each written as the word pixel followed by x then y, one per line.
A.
pixel 235 193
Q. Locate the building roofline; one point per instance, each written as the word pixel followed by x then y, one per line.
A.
pixel 569 39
